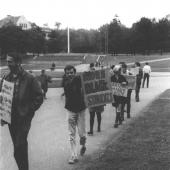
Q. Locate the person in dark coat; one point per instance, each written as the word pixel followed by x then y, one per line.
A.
pixel 44 80
pixel 75 105
pixel 27 98
pixel 119 100
pixel 138 81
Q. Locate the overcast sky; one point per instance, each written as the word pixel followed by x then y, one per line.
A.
pixel 84 13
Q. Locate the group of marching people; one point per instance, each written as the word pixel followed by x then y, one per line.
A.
pixel 75 105
pixel 28 97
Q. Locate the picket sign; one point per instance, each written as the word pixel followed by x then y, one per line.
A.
pixel 134 70
pixel 6 96
pixel 131 79
pixel 96 87
pixel 119 90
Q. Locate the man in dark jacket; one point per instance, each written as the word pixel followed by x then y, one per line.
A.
pixel 27 98
pixel 75 105
pixel 138 81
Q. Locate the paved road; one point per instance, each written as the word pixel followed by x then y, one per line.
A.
pixel 48 137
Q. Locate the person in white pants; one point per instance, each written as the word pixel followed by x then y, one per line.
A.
pixel 75 105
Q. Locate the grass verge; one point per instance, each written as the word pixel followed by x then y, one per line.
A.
pixel 143 145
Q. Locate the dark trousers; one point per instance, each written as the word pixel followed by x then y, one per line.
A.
pixel 119 113
pixel 92 116
pixel 137 90
pixel 146 77
pixel 128 102
pixel 19 138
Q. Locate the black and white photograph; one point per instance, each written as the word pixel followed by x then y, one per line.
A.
pixel 85 85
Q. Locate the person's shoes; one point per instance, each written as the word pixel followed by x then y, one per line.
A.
pixel 99 130
pixel 90 133
pixel 76 159
pixel 82 150
pixel 116 125
pixel 120 122
pixel 73 159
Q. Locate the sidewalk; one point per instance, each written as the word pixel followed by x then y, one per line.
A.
pixel 48 137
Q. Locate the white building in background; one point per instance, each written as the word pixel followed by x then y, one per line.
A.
pixel 22 22
pixel 19 21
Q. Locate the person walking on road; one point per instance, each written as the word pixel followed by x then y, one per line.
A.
pixel 146 72
pixel 119 100
pixel 129 92
pixel 44 80
pixel 75 105
pixel 95 110
pixel 27 98
pixel 138 81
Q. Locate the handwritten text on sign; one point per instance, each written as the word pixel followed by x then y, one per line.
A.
pixel 96 87
pixel 6 97
pixel 131 81
pixel 118 90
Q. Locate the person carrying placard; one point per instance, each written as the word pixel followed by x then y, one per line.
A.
pixel 95 110
pixel 27 98
pixel 119 100
pixel 129 92
pixel 75 105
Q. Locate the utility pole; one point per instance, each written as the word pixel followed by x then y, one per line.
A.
pixel 106 39
pixel 68 40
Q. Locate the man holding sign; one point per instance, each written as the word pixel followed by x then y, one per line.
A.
pixel 75 105
pixel 24 98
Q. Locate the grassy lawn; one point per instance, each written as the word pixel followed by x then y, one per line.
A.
pixel 30 64
pixel 144 144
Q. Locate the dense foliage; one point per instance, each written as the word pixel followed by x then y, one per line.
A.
pixel 145 36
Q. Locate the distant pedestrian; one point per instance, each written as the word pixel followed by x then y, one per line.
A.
pixel 52 66
pixel 146 72
pixel 44 80
pixel 95 110
pixel 138 81
pixel 129 92
pixel 27 98
pixel 75 105
pixel 119 100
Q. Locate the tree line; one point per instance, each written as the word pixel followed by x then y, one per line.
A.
pixel 145 36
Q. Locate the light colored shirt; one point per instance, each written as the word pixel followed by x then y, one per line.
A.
pixel 147 69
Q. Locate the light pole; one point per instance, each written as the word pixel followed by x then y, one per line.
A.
pixel 106 39
pixel 68 40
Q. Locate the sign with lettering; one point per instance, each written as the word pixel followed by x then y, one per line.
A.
pixel 119 90
pixel 131 79
pixel 134 70
pixel 97 87
pixel 6 97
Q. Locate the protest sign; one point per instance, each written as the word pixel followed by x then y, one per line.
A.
pixel 134 70
pixel 131 81
pixel 6 97
pixel 119 90
pixel 97 87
